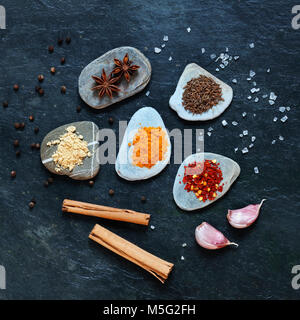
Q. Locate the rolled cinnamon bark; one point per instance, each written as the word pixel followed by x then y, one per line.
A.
pixel 95 210
pixel 156 266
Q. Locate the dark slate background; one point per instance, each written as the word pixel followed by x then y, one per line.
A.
pixel 47 254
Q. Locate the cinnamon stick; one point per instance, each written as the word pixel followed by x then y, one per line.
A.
pixel 156 266
pixel 100 211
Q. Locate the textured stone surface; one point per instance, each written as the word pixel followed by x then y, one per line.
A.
pixel 47 254
pixel 90 166
pixel 138 82
pixel 187 200
pixel 190 72
pixel 144 117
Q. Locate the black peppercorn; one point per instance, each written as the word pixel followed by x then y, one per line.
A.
pixel 91 183
pixel 111 192
pixel 16 143
pixel 31 118
pixel 63 89
pixel 16 87
pixel 31 204
pixel 50 180
pixel 37 146
pixel 17 125
pixel 68 40
pixel 22 125
pixel 50 49
pixel 62 60
pixel 37 88
pixel 5 104
pixel 52 70
pixel 78 109
pixel 36 129
pixel 60 41
pixel 32 146
pixel 41 92
pixel 18 153
pixel 111 120
pixel 13 174
pixel 143 199
pixel 41 78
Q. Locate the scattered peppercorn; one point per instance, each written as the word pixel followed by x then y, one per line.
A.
pixel 41 78
pixel 78 109
pixel 13 174
pixel 37 88
pixel 41 92
pixel 50 49
pixel 68 40
pixel 31 204
pixel 63 89
pixel 52 70
pixel 50 180
pixel 16 87
pixel 37 146
pixel 91 183
pixel 22 125
pixel 46 183
pixel 18 153
pixel 111 192
pixel 5 104
pixel 111 120
pixel 143 199
pixel 31 118
pixel 63 60
pixel 16 143
pixel 32 146
pixel 17 125
pixel 60 41
pixel 36 129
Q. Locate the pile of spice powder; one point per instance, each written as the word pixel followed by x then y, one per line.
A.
pixel 201 94
pixel 71 150
pixel 203 178
pixel 150 146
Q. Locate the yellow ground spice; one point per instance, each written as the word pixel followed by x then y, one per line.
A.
pixel 71 150
pixel 150 145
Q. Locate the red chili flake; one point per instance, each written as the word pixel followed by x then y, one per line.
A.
pixel 203 178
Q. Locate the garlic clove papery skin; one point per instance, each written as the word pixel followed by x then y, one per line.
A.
pixel 244 217
pixel 210 238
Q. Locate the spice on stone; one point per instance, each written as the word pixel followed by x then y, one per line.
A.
pixel 201 94
pixel 150 145
pixel 41 78
pixel 71 150
pixel 111 192
pixel 204 179
pixel 16 87
pixel 13 173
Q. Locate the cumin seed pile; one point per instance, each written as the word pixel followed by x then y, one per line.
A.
pixel 200 94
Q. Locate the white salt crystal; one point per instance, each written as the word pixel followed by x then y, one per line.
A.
pixel 251 45
pixel 265 96
pixel 282 109
pixel 245 150
pixel 244 114
pixel 253 90
pixel 252 73
pixel 152 227
pixel 209 134
pixel 268 70
pixel 226 49
pixel 288 108
pixel 271 102
pixel 253 138
pixel 241 135
pixel 249 97
pixel 245 132
pixel 273 96
pixel 273 141
pixel 236 58
pixel 251 145
pixel 157 50
pixel 203 50
pixel 182 258
pixel 188 29
pixel 213 56
pixel 224 123
pixel 256 99
pixel 210 129
pixel 147 93
pixel 256 170
pixel 234 80
pixel 217 69
pixel 165 38
pixel 170 58
pixel 283 119
pixel 234 123
pixel 163 45
pixel 184 245
pixel 225 63
pixel 222 66
pixel 281 138
pixel 236 149
pixel 249 79
pixel 275 119
pixel 254 83
pixel 254 114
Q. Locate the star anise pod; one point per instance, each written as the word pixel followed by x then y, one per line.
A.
pixel 105 85
pixel 124 67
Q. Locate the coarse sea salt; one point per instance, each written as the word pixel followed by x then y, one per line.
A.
pixel 245 150
pixel 288 108
pixel 268 70
pixel 170 58
pixel 273 96
pixel 163 45
pixel 273 141
pixel 256 170
pixel 251 145
pixel 275 119
pixel 217 69
pixel 210 129
pixel 244 114
pixel 152 227
pixel 209 134
pixel 188 29
pixel 234 81
pixel 282 109
pixel 147 93
pixel 184 245
pixel 234 123
pixel 271 102
pixel 157 50
pixel 281 138
pixel 249 97
pixel 203 50
pixel 253 138
pixel 182 258
pixel 241 135
pixel 251 45
pixel 245 132
pixel 256 99
pixel 236 149
pixel 213 56
pixel 252 73
pixel 236 58
pixel 224 123
pixel 264 96
pixel 283 119
pixel 165 38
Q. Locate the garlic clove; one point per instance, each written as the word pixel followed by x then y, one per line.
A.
pixel 244 217
pixel 210 238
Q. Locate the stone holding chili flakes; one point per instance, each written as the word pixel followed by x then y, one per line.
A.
pixel 203 178
pixel 205 175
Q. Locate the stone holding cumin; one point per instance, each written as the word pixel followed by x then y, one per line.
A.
pixel 138 82
pixel 52 151
pixel 193 71
pixel 188 200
